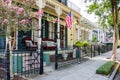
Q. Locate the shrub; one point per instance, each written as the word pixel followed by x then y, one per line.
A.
pixel 94 39
pixel 78 44
pixel 105 68
pixel 85 43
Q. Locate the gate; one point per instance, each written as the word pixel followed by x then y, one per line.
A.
pixel 24 64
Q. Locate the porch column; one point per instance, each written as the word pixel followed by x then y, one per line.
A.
pixel 41 4
pixel 78 33
pixel 59 12
pixel 90 37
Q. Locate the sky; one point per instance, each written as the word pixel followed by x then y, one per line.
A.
pixel 82 5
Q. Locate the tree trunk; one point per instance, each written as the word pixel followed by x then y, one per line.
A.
pixel 115 42
pixel 115 13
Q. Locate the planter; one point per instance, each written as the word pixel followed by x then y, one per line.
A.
pixel 116 75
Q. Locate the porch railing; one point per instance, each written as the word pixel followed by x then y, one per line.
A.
pixel 27 63
pixel 24 63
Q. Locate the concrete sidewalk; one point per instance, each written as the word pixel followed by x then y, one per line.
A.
pixel 82 71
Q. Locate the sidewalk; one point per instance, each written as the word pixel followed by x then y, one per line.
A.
pixel 82 71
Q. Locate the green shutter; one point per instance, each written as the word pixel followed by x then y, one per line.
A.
pixel 55 32
pixel 42 28
pixel 46 29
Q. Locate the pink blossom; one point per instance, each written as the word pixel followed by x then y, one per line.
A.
pixel 4 21
pixel 8 1
pixel 27 0
pixel 20 10
pixel 24 21
pixel 40 13
pixel 15 7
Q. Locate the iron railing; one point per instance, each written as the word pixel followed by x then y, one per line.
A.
pixel 2 65
pixel 25 63
pixel 77 55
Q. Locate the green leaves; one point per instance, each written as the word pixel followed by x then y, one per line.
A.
pixel 92 8
pixel 102 9
pixel 79 44
pixel 94 39
pixel 105 68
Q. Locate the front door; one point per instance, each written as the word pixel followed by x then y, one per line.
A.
pixel 21 35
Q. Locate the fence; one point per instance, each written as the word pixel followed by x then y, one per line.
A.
pixel 24 63
pixel 70 56
pixel 2 65
pixel 66 57
pixel 28 63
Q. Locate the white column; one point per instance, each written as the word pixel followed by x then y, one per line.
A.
pixel 80 36
pixel 98 35
pixel 59 12
pixel 41 4
pixel 16 40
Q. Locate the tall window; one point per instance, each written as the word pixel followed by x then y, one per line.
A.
pixel 77 32
pixel 51 30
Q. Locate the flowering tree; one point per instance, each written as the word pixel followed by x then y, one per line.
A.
pixel 15 16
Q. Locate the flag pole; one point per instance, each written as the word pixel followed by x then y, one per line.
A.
pixel 68 20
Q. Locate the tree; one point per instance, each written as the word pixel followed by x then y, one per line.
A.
pixel 16 15
pixel 107 12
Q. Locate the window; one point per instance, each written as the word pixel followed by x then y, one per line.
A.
pixel 51 30
pixel 63 1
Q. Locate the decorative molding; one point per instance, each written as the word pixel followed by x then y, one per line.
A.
pixel 41 3
pixel 58 10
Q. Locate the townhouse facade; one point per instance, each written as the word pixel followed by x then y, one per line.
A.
pixel 53 26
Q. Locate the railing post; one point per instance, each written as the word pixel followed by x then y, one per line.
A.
pixel 91 51
pixel 98 49
pixel 41 60
pixel 56 57
pixel 7 63
pixel 94 50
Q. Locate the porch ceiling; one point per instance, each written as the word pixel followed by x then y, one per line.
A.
pixel 64 8
pixel 50 8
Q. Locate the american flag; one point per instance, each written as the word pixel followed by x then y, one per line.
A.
pixel 68 20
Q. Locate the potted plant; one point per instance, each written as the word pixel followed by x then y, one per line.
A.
pixel 78 44
pixel 94 40
pixel 85 44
